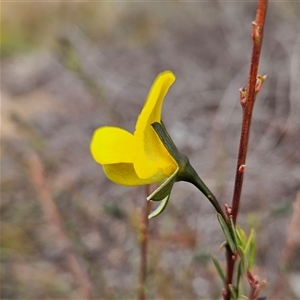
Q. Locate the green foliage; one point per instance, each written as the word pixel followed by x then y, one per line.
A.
pixel 219 269
pixel 242 246
pixel 227 233
pixel 246 248
pixel 233 292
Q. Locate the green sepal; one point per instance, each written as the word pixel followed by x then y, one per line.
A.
pixel 185 170
pixel 219 268
pixel 227 233
pixel 165 138
pixel 164 189
pixel 160 208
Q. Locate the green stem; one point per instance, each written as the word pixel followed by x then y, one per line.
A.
pixel 194 178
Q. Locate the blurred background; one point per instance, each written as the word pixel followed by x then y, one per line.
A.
pixel 68 68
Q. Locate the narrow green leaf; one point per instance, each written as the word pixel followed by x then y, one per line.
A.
pixel 241 251
pixel 252 250
pixel 241 236
pixel 233 292
pixel 247 246
pixel 223 245
pixel 160 208
pixel 238 277
pixel 227 233
pixel 242 256
pixel 233 230
pixel 218 268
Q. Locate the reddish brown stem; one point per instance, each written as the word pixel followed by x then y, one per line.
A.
pixel 248 96
pixel 248 103
pixel 144 247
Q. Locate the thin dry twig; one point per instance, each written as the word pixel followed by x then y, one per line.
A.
pixel 248 96
pixel 52 216
pixel 144 247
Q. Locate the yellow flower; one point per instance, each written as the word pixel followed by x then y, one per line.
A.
pixel 148 155
pixel 139 158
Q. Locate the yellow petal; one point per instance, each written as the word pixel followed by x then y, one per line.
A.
pixel 124 174
pixel 151 111
pixel 111 145
pixel 151 155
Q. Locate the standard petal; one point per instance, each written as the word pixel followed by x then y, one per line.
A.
pixel 151 111
pixel 152 157
pixel 124 174
pixel 112 145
